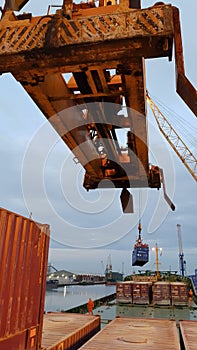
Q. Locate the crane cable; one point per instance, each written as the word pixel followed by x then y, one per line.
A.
pixel 179 146
pixel 187 129
pixel 139 225
pixel 172 112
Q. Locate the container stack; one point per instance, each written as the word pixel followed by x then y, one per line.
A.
pixel 142 292
pixel 179 293
pixel 161 293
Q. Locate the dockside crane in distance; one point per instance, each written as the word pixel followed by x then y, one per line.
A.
pixel 102 267
pixel 182 262
pixel 108 269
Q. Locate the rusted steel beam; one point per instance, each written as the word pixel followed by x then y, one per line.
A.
pixel 72 130
pixel 65 59
pixel 137 111
pixel 84 96
pixel 15 5
pixel 146 33
pixel 183 86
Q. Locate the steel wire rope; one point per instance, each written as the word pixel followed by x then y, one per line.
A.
pixel 185 128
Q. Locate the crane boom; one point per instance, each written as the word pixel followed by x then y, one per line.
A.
pixel 175 141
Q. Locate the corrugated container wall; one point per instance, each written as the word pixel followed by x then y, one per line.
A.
pixel 24 248
pixel 124 292
pixel 161 293
pixel 142 292
pixel 179 293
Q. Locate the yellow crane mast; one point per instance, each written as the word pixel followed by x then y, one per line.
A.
pixel 175 141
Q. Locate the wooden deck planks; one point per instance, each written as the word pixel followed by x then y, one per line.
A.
pixel 188 331
pixel 136 334
pixel 67 330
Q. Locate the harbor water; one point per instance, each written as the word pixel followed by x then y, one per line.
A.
pixel 65 298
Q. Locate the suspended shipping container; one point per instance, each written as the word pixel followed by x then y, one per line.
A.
pixel 140 254
pixel 23 254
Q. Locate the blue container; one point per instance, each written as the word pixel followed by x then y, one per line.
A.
pixel 140 255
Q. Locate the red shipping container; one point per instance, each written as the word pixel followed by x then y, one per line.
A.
pixel 24 248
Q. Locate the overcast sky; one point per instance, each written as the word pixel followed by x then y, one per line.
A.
pixel 38 176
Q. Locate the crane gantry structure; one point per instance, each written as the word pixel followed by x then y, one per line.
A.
pixel 103 48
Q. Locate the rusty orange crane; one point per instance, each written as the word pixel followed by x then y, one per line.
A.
pixel 104 49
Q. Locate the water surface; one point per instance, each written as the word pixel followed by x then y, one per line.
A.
pixel 65 298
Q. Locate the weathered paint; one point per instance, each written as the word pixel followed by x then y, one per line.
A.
pixel 23 255
pixel 179 293
pixel 23 35
pixel 68 331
